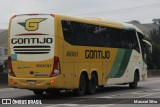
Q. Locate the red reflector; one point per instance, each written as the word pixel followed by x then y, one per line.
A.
pixel 52 15
pixel 52 81
pixel 56 67
pixel 11 81
pixel 13 16
pixel 10 70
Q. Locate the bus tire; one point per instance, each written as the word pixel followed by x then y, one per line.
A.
pixel 134 84
pixel 92 84
pixel 38 92
pixel 82 86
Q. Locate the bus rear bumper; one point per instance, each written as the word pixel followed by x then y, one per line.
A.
pixel 34 83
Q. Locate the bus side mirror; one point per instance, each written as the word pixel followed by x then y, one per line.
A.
pixel 150 49
pixel 148 45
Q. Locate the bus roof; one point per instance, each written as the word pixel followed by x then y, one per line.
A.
pixel 131 26
pixel 107 22
pixel 95 20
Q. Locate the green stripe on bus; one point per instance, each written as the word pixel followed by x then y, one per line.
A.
pixel 124 63
pixel 117 62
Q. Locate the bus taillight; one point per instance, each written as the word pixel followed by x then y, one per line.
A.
pixel 11 81
pixel 13 16
pixel 10 70
pixel 56 67
pixel 52 15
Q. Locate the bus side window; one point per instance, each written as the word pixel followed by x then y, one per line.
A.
pixel 135 42
pixel 129 40
pixel 68 32
pixel 104 36
pixel 91 35
pixel 77 33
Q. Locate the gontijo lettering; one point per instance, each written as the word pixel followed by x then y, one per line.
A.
pixel 97 54
pixel 31 40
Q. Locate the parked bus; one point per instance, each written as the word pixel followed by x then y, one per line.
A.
pixel 49 53
pixel 3 59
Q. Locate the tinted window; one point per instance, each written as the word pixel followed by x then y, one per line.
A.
pixel 68 32
pixel 83 34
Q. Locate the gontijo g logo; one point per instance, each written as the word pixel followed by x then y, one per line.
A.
pixel 32 23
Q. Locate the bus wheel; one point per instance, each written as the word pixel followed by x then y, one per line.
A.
pixel 91 87
pixel 38 92
pixel 82 86
pixel 134 84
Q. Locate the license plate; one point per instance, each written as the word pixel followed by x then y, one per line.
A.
pixel 31 81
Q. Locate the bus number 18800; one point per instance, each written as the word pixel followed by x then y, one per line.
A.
pixel 72 53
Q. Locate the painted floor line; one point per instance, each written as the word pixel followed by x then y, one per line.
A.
pixel 107 105
pixel 8 89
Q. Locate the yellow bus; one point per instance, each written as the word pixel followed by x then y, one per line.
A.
pixel 49 53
